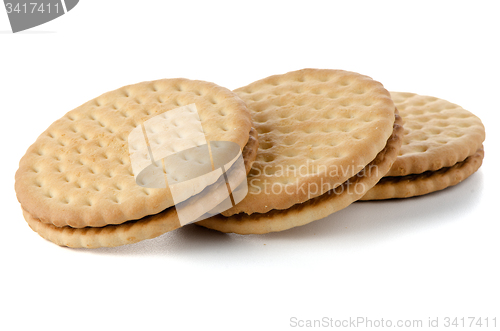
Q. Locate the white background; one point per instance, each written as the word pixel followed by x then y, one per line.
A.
pixel 433 256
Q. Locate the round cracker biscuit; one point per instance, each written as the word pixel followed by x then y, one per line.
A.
pixel 438 134
pixel 427 182
pixel 317 128
pixel 126 233
pixel 78 172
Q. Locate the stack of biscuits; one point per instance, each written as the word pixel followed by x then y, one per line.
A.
pixel 312 141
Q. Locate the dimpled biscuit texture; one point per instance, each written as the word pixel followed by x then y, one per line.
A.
pixel 129 232
pixel 427 182
pixel 317 128
pixel 438 134
pixel 316 208
pixel 78 172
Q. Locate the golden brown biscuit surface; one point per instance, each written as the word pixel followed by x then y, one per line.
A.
pixel 317 128
pixel 438 134
pixel 78 171
pixel 126 233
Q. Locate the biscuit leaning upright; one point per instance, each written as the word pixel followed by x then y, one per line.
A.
pixel 78 172
pixel 442 146
pixel 317 128
pixel 325 138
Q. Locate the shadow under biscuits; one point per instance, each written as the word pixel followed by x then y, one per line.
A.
pixel 376 221
pixel 188 239
pixel 369 222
